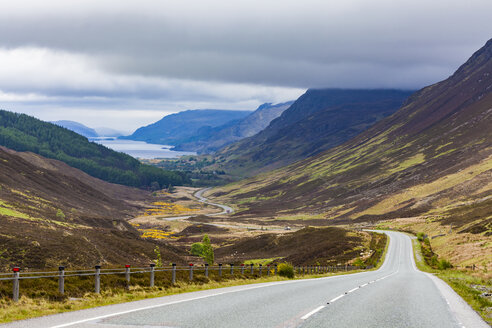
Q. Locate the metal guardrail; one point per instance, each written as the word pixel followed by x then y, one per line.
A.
pixel 17 275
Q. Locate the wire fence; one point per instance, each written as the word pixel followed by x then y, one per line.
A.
pixel 151 276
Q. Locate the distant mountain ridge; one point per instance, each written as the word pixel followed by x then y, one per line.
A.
pixel 184 126
pixel 77 128
pixel 318 120
pixel 248 126
pixel 86 131
pixel 432 158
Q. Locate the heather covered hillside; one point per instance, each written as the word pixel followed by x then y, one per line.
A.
pixel 433 157
pixel 52 214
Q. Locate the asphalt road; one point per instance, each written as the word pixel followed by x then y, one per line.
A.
pixel 396 295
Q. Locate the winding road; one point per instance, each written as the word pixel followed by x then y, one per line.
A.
pixel 395 295
pixel 199 195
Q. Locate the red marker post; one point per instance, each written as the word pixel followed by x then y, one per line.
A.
pixel 15 288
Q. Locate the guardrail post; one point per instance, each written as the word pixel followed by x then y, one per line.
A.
pixel 232 268
pixel 206 270
pixel 276 269
pixel 173 279
pixel 61 280
pixel 191 271
pixel 260 269
pixel 152 274
pixel 242 268
pixel 220 270
pixel 268 269
pixel 15 287
pixel 252 268
pixel 97 278
pixel 127 275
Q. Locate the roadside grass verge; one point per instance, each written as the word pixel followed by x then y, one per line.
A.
pixel 39 297
pixel 471 286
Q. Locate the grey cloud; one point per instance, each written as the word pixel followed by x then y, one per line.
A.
pixel 163 56
pixel 270 44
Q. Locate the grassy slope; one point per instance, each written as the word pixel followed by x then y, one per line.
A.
pixel 464 283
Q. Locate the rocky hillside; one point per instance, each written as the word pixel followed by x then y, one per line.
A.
pixel 52 214
pixel 185 126
pixel 224 135
pixel 317 121
pixel 433 157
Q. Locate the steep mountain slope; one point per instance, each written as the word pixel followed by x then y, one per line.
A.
pixel 184 126
pixel 433 157
pixel 232 132
pixel 77 128
pixel 25 133
pixel 317 121
pixel 52 214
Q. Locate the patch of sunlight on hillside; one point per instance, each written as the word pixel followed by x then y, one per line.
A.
pixel 394 202
pixel 412 161
pixel 7 210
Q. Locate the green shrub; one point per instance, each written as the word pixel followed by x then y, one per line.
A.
pixel 434 261
pixel 197 249
pixel 158 260
pixel 444 264
pixel 60 215
pixel 420 236
pixel 359 262
pixel 204 250
pixel 286 270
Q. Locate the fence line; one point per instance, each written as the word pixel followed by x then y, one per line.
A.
pixel 17 275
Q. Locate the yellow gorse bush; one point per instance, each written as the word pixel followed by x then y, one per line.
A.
pixel 163 208
pixel 156 234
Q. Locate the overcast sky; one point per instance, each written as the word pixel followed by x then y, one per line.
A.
pixel 123 64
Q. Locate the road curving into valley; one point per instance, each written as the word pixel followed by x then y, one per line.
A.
pixel 395 295
pixel 199 196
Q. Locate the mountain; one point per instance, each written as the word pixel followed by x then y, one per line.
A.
pixel 78 128
pixel 108 132
pixel 52 214
pixel 236 130
pixel 318 120
pixel 184 126
pixel 431 158
pixel 25 133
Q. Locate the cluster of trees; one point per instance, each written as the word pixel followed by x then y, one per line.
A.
pixel 21 132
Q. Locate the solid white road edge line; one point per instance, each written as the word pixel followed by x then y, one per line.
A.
pixel 312 312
